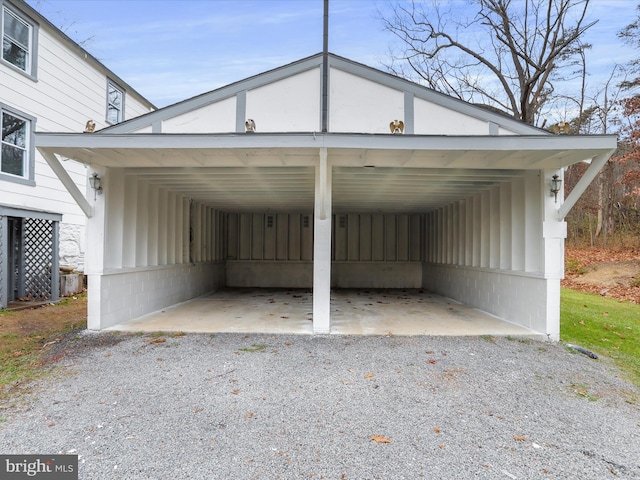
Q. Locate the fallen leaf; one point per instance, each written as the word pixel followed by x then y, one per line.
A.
pixel 441 446
pixel 17 354
pixel 235 392
pixel 437 430
pixel 249 415
pixel 107 354
pixel 432 361
pixel 288 344
pixel 370 375
pixel 197 410
pixel 158 340
pixel 389 334
pixel 519 438
pixel 379 439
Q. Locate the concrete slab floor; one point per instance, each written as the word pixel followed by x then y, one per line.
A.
pixel 353 312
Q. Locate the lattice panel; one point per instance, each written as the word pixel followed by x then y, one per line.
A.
pixel 38 258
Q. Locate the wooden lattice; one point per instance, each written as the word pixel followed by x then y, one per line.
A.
pixel 38 258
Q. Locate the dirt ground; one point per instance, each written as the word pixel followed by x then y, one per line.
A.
pixel 71 312
pixel 610 273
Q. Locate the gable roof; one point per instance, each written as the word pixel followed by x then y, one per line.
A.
pixel 335 62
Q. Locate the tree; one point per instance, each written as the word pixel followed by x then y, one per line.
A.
pixel 507 55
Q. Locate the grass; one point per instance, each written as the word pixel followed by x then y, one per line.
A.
pixel 605 326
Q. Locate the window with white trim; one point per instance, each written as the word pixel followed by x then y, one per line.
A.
pixel 115 103
pixel 18 41
pixel 16 152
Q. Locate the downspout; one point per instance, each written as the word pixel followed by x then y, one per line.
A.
pixel 325 68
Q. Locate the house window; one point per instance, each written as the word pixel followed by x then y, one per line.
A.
pixel 16 152
pixel 18 41
pixel 115 103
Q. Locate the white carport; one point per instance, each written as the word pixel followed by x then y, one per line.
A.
pixel 463 209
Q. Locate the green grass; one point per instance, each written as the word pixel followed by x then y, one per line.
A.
pixel 605 326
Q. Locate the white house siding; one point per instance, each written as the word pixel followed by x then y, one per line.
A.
pixel 291 105
pixel 217 117
pixel 432 119
pixel 70 89
pixel 360 105
pixel 489 250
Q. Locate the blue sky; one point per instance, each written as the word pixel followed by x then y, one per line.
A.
pixel 171 50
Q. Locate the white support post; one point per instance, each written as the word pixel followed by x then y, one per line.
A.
pixel 322 247
pixel 95 255
pixel 554 232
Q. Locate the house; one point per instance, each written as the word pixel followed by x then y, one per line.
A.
pixel 48 83
pixel 325 174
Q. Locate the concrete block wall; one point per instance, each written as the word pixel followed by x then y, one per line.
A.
pixel 376 274
pixel 122 295
pixel 519 298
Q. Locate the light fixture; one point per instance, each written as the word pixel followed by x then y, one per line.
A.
pixel 250 126
pixel 96 184
pixel 90 126
pixel 555 186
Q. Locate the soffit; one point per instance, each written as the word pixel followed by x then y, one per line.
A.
pixel 371 173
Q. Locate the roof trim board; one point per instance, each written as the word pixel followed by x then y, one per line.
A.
pixel 411 90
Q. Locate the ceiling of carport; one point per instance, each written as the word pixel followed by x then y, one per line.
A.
pixel 371 173
pixel 354 189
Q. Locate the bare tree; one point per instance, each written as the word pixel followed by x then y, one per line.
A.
pixel 506 55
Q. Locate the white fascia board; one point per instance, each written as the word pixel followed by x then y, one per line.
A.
pixel 329 140
pixel 222 93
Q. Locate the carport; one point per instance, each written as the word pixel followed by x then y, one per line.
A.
pixel 194 200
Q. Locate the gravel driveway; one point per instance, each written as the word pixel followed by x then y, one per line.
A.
pixel 234 406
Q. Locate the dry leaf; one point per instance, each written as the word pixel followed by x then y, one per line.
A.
pixel 249 415
pixel 235 392
pixel 437 430
pixel 370 375
pixel 518 438
pixel 158 340
pixel 441 446
pixel 432 361
pixel 197 410
pixel 379 439
pixel 389 334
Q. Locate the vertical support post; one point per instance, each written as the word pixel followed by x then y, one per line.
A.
pixel 55 261
pixel 554 232
pixel 322 247
pixel 94 259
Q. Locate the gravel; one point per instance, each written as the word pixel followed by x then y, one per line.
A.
pixel 235 406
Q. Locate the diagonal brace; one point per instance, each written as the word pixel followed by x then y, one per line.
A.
pixel 596 165
pixel 68 183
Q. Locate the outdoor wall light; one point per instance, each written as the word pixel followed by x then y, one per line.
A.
pixel 556 182
pixel 96 184
pixel 250 126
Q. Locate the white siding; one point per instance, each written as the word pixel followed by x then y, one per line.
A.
pixel 360 105
pixel 219 117
pixel 290 105
pixel 69 91
pixel 432 119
